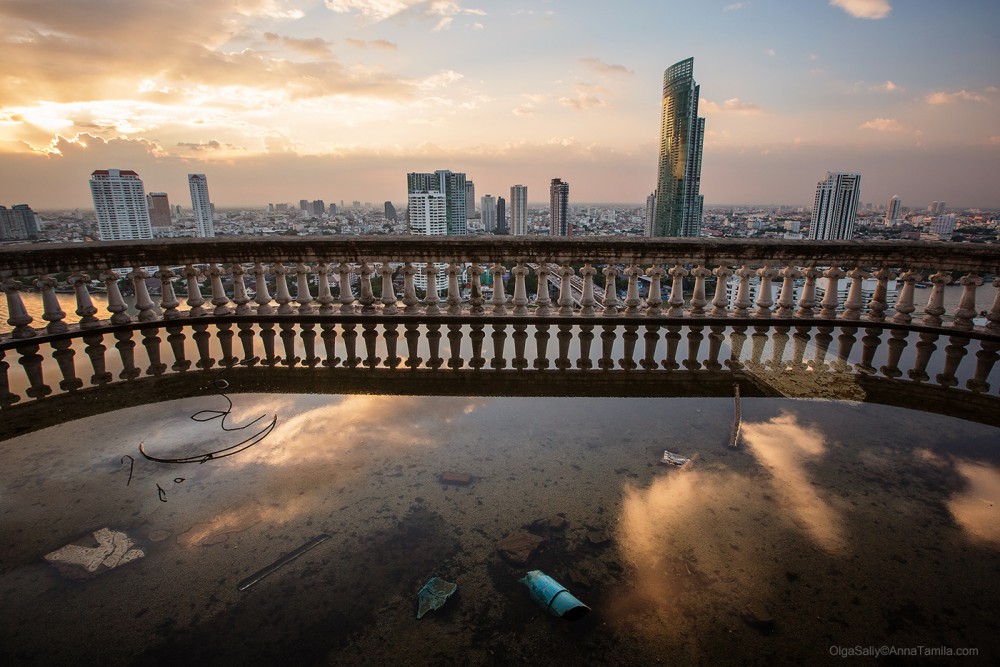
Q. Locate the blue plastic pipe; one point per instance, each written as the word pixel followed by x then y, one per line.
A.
pixel 553 596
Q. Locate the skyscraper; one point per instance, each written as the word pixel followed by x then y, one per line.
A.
pixel 201 204
pixel 893 210
pixel 390 212
pixel 519 210
pixel 650 213
pixel 159 213
pixel 428 215
pixel 501 227
pixel 835 207
pixel 559 208
pixel 318 207
pixel 120 203
pixel 489 213
pixel 682 133
pixel 452 186
pixel 17 223
pixel 470 200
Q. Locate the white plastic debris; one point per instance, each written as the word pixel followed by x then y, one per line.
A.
pixel 113 549
pixel 673 459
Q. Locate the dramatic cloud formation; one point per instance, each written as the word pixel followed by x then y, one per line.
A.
pixel 864 9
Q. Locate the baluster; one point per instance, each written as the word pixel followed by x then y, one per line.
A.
pixel 993 317
pixel 807 299
pixel 720 303
pixel 800 340
pixel 63 355
pixel 869 345
pixel 370 336
pixel 967 306
pixel 786 299
pixel 308 336
pixel 823 340
pixel 350 336
pixel 168 296
pixel 925 348
pixel 499 337
pixel 986 358
pixel 610 291
pixel 84 305
pixel 630 337
pixel 608 335
pixel 695 336
pixel 779 341
pixel 175 339
pixel 499 300
pixel 897 343
pixel 853 304
pixel 389 306
pixel 520 272
pixel 586 340
pixel 935 303
pixel 126 350
pixel 240 296
pixel 477 336
pixel 95 352
pixel 904 305
pixel 324 298
pixel 654 299
pixel 281 294
pixel 151 341
pixel 673 339
pixel 757 342
pixel 287 335
pixel 303 296
pixel 434 361
pixel 345 292
pixel 367 296
pixel 632 290
pixel 741 307
pixel 18 316
pixel 219 298
pixel 845 343
pixel 541 346
pixel 201 340
pixel 566 274
pixel 564 337
pixel 454 298
pixel 267 336
pixel 765 294
pixel 247 338
pixel 587 301
pixel 116 304
pixel 329 336
pixel 831 297
pixel 431 298
pixel 880 299
pixel 7 399
pixel 698 298
pixel 195 299
pixel 224 332
pixel 678 273
pixel 542 301
pixel 520 337
pixel 412 336
pixel 650 339
pixel 410 300
pixel 455 361
pixel 51 311
pixel 715 340
pixel 476 299
pixel 31 361
pixel 953 353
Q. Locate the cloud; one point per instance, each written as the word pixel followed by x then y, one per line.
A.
pixel 864 9
pixel 883 125
pixel 586 96
pixel 380 10
pixel 443 24
pixel 382 44
pixel 771 52
pixel 312 47
pixel 941 97
pixel 604 69
pixel 211 145
pixel 732 105
pixel 528 109
pixel 735 6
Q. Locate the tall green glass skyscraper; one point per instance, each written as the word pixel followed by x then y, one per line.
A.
pixel 677 211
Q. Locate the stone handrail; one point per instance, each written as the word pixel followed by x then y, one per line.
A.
pixel 754 279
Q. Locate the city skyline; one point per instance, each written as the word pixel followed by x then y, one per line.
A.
pixel 278 100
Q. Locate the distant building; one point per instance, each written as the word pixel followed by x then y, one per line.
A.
pixel 304 205
pixel 470 200
pixel 835 207
pixel 17 223
pixel 204 219
pixel 489 213
pixel 318 207
pixel 452 186
pixel 390 212
pixel 159 214
pixel 650 213
pixel 519 210
pixel 936 208
pixel 682 134
pixel 944 226
pixel 559 208
pixel 120 204
pixel 893 210
pixel 333 209
pixel 428 215
pixel 501 227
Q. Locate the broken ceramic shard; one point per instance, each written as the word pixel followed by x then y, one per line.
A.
pixel 112 549
pixel 673 459
pixel 434 594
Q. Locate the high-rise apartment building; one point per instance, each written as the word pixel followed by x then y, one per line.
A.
pixel 17 223
pixel 519 210
pixel 159 213
pixel 501 227
pixel 489 213
pixel 428 215
pixel 835 207
pixel 470 200
pixel 650 213
pixel 452 186
pixel 120 203
pixel 304 205
pixel 893 210
pixel 204 218
pixel 559 209
pixel 682 133
pixel 318 207
pixel 390 212
pixel 936 208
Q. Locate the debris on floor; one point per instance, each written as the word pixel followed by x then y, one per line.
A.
pixel 434 594
pixel 456 478
pixel 673 459
pixel 281 562
pixel 553 596
pixel 519 547
pixel 104 550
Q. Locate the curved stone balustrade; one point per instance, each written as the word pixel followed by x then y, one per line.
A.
pixel 770 280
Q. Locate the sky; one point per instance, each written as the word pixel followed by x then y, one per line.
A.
pixel 277 101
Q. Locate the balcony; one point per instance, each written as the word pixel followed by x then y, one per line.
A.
pixel 825 521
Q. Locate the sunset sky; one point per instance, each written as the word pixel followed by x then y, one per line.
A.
pixel 277 101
